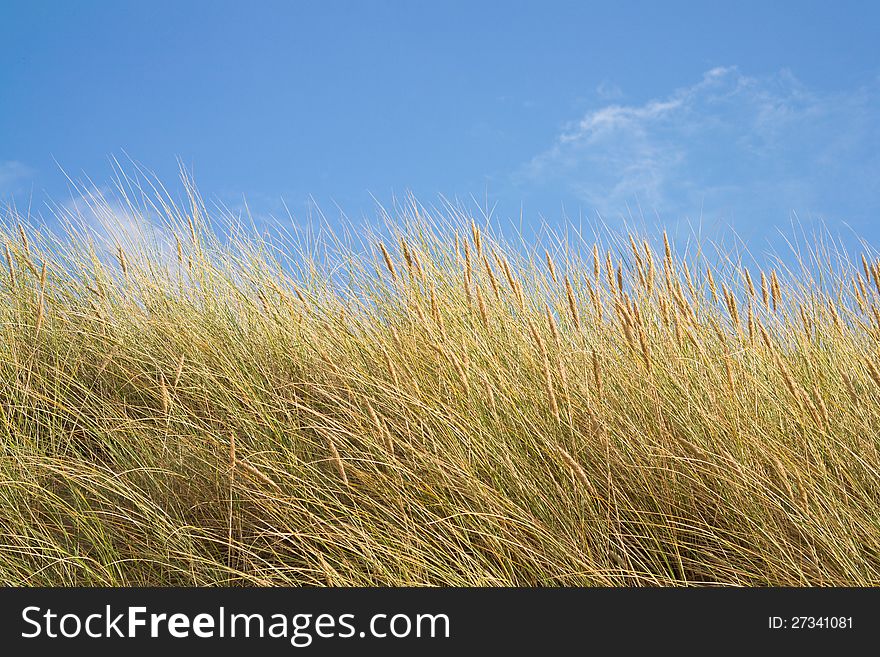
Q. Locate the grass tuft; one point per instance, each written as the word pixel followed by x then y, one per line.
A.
pixel 194 406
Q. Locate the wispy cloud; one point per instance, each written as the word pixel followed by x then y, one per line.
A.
pixel 734 147
pixel 109 222
pixel 13 176
pixel 608 91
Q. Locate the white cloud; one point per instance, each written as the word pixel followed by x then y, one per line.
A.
pixel 731 145
pixel 608 91
pixel 109 222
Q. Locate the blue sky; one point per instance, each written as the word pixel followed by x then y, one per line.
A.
pixel 736 114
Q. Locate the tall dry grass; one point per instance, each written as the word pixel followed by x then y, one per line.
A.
pixel 435 408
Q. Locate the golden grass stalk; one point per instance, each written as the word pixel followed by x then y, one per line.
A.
pixel 420 314
pixel 787 379
pixel 481 304
pixel 435 308
pixel 337 460
pixel 609 271
pixel 461 371
pixel 519 294
pixel 775 294
pixel 563 377
pixel 165 397
pixel 492 280
pixel 636 251
pixel 389 441
pixel 9 264
pixel 258 474
pixel 597 373
pixel 689 280
pixel 850 388
pixel 40 313
pixel 663 306
pixel 263 302
pixel 478 242
pixel 695 450
pixel 806 321
pixel 822 407
pixel 691 338
pixel 536 336
pixel 782 476
pixel 388 263
pixel 750 322
pixel 811 407
pixel 490 394
pixel 873 371
pixel 192 230
pixel 515 287
pixel 24 240
pixel 572 305
pixel 545 368
pixel 645 349
pixel 860 293
pixel 748 279
pixel 765 296
pixel 178 371
pixel 456 365
pixel 652 270
pixel 667 279
pixel 412 264
pixel 626 323
pixel 728 371
pixel 732 308
pixel 765 338
pixel 678 296
pixel 327 360
pixel 576 470
pixel 230 509
pixel 554 329
pixel 389 366
pixel 504 266
pixel 383 431
pixel 375 418
pixel 123 264
pixel 548 384
pixel 550 266
pixel 838 323
pixel 594 300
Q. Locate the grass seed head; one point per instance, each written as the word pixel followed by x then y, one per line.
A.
pixel 388 263
pixel 550 266
pixel 24 240
pixel 572 305
pixel 337 461
pixel 9 264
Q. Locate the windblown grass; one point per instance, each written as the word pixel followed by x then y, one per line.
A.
pixel 435 409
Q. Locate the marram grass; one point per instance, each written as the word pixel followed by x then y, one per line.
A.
pixel 432 407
